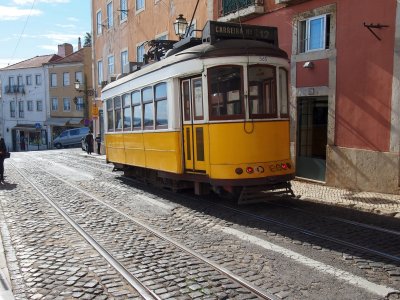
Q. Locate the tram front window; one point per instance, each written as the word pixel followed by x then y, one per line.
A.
pixel 262 91
pixel 225 92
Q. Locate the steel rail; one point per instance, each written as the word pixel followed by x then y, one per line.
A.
pixel 244 283
pixel 132 280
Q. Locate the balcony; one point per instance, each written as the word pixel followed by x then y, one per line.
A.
pixel 14 89
pixel 231 11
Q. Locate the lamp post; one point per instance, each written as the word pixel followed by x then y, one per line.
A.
pixel 180 26
pixel 87 92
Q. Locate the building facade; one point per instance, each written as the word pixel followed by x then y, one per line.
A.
pixel 344 83
pixel 68 107
pixel 121 30
pixel 24 104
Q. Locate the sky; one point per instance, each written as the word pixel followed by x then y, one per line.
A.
pixel 36 27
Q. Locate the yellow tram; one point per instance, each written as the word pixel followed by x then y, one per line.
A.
pixel 212 113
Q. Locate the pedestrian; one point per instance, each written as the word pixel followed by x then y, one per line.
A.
pixel 3 152
pixel 98 141
pixel 89 142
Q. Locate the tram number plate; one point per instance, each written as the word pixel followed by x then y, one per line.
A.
pixel 263 58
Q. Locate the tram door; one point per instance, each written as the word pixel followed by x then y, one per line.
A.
pixel 194 130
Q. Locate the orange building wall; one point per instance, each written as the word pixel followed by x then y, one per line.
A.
pixel 318 75
pixel 364 67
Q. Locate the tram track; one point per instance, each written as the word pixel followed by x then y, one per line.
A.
pixel 269 220
pixel 147 294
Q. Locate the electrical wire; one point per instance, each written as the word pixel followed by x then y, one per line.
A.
pixel 23 30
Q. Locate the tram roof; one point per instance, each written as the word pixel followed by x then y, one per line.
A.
pixel 224 48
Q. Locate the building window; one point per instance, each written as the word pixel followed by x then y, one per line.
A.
pixel 30 105
pixel 11 81
pixel 314 33
pixel 20 81
pixel 38 80
pixel 66 104
pixel 39 105
pixel 12 109
pixel 21 109
pixel 99 25
pixel 123 10
pixel 140 53
pixel 78 76
pixel 110 65
pixel 110 19
pixel 99 72
pixel 28 79
pixel 53 80
pixel 79 104
pixel 54 104
pixel 66 79
pixel 160 93
pixel 124 60
pixel 139 5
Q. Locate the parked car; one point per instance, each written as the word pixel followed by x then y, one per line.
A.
pixel 70 137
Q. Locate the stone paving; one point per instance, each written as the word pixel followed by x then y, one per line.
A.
pixel 379 203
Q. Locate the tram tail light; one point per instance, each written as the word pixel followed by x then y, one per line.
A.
pixel 249 170
pixel 284 166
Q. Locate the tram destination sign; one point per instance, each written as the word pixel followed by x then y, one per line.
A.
pixel 214 31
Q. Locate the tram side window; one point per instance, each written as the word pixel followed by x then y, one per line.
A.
pixel 148 108
pixel 225 92
pixel 186 99
pixel 198 98
pixel 137 110
pixel 110 115
pixel 160 91
pixel 283 87
pixel 127 113
pixel 262 91
pixel 118 113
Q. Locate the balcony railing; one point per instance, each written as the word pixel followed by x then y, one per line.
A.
pixel 231 10
pixel 14 89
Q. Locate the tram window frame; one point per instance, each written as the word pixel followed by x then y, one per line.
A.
pixel 186 99
pixel 137 107
pixel 271 84
pixel 126 107
pixel 198 103
pixel 110 114
pixel 117 113
pixel 160 100
pixel 225 95
pixel 148 103
pixel 283 87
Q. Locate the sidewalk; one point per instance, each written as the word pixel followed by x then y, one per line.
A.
pixel 378 203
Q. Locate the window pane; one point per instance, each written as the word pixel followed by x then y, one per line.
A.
pixel 99 27
pixel 147 95
pixel 162 113
pixel 225 91
pixel 135 97
pixel 117 102
pixel 118 119
pixel 262 95
pixel 126 100
pixel 137 116
pixel 148 115
pixel 110 120
pixel 110 19
pixel 186 99
pixel 198 98
pixel 161 91
pixel 316 34
pixel 127 117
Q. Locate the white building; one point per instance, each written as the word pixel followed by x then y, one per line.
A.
pixel 24 104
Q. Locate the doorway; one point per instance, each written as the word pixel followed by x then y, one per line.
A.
pixel 312 133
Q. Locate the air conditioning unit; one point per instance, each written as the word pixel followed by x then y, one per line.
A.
pixel 111 78
pixel 131 67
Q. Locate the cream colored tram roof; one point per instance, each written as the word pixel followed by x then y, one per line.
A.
pixel 205 50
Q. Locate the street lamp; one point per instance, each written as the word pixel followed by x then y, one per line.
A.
pixel 180 26
pixel 87 92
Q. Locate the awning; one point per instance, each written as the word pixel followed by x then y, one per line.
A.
pixel 63 121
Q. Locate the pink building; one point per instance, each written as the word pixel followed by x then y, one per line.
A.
pixel 345 88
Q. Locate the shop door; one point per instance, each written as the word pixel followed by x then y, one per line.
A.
pixel 194 131
pixel 312 126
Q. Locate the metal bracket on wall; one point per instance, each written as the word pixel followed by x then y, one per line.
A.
pixel 378 26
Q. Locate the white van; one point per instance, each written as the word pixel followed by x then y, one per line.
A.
pixel 70 137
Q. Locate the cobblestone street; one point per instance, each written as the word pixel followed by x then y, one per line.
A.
pixel 73 229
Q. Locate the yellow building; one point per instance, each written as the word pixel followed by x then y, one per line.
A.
pixel 70 107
